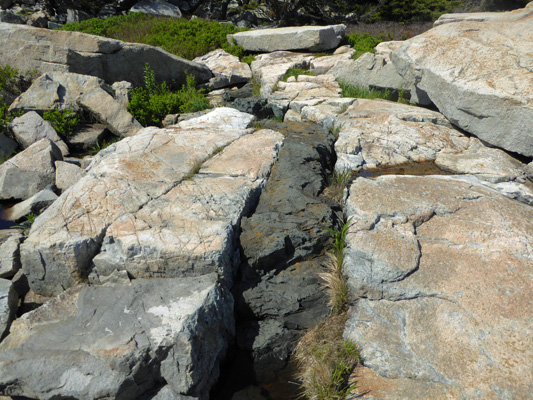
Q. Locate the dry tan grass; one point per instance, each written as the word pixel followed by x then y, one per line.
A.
pixel 336 285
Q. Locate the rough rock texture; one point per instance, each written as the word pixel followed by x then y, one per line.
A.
pixel 29 171
pixel 86 136
pixel 131 175
pixel 228 70
pixel 485 16
pixel 8 305
pixel 307 38
pixel 27 48
pixel 67 174
pixel 109 112
pixel 157 7
pixel 371 70
pixel 56 90
pixel 35 204
pixel 479 75
pixel 120 341
pixel 191 230
pixel 9 253
pixel 30 128
pixel 445 310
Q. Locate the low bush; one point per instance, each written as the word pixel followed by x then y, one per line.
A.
pixel 63 121
pixel 413 10
pixel 362 93
pixel 296 72
pixel 149 105
pixel 365 42
pixel 179 36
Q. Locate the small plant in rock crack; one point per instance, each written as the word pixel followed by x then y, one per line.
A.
pixel 63 121
pixel 339 181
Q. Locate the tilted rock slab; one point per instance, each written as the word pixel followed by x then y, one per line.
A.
pixel 309 38
pixel 30 171
pixel 120 341
pixel 228 70
pixel 8 305
pixel 441 266
pixel 27 48
pixel 479 75
pixel 112 204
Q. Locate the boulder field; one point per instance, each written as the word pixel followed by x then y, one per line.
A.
pixel 183 262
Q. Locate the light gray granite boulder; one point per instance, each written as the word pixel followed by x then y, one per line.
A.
pixel 102 106
pixel 27 48
pixel 157 7
pixel 67 174
pixel 120 341
pixel 438 264
pixel 31 127
pixel 228 70
pixel 479 75
pixel 56 90
pixel 30 171
pixel 8 305
pixel 306 38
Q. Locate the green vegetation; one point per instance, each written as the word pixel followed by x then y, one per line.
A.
pixel 179 36
pixel 296 72
pixel 100 146
pixel 365 42
pixel 413 10
pixel 149 105
pixel 324 358
pixel 361 93
pixel 63 121
pixel 338 182
pixel 11 82
pixel 249 59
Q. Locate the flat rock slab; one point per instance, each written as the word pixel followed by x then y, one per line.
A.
pixel 479 75
pixel 307 38
pixel 158 166
pixel 120 341
pixel 27 48
pixel 440 266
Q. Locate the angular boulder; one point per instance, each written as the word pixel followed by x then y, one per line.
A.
pixel 444 308
pixel 9 252
pixel 30 171
pixel 157 7
pixel 35 204
pixel 151 167
pixel 56 90
pixel 27 48
pixel 306 38
pixel 120 341
pixel 479 75
pixel 67 174
pixel 228 70
pixel 31 127
pixel 8 305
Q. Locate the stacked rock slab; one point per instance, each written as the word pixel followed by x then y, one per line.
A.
pixel 440 267
pixel 479 75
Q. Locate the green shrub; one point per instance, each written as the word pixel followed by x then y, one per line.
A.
pixel 179 36
pixel 365 42
pixel 149 105
pixel 414 10
pixel 63 121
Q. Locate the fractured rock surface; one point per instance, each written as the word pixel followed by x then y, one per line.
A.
pixel 440 265
pixel 479 75
pixel 120 341
pixel 122 180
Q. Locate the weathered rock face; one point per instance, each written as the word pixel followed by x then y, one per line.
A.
pixel 35 204
pixel 485 16
pixel 29 171
pixel 439 265
pixel 56 90
pixel 479 75
pixel 27 48
pixel 8 305
pixel 30 128
pixel 228 70
pixel 157 7
pixel 9 253
pixel 307 38
pixel 120 341
pixel 144 179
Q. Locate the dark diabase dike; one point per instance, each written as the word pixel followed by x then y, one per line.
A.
pixel 278 292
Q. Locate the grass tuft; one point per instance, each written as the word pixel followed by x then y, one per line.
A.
pixel 361 93
pixel 296 72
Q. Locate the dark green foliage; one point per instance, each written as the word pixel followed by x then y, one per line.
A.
pixel 365 42
pixel 149 105
pixel 360 93
pixel 12 83
pixel 179 36
pixel 63 121
pixel 413 10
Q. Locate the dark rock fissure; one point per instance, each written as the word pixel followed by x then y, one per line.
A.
pixel 278 293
